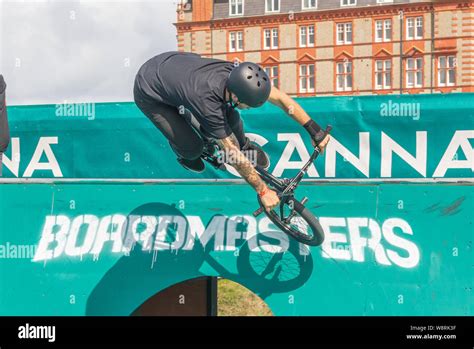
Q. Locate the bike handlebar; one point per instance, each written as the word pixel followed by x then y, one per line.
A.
pixel 299 176
pixel 317 151
pixel 326 132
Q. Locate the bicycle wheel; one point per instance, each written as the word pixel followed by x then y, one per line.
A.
pixel 294 219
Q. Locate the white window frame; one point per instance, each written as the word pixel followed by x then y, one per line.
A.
pixel 267 10
pixel 303 7
pixel 445 70
pixel 384 73
pixel 235 35
pixel 277 44
pixel 270 70
pixel 271 32
pixel 386 25
pixel 344 32
pixel 410 25
pixel 378 26
pixel 415 21
pixel 307 77
pixel 236 4
pixel 306 42
pixel 416 83
pixel 348 3
pixel 267 34
pixel 345 74
pixel 419 24
pixel 311 28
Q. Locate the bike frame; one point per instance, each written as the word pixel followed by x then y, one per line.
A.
pixel 287 186
pixel 284 187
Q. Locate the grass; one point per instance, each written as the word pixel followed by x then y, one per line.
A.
pixel 235 300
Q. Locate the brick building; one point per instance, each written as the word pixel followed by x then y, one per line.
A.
pixel 330 47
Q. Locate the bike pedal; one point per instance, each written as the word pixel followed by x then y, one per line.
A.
pixel 304 201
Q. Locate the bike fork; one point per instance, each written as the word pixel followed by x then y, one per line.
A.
pixel 288 219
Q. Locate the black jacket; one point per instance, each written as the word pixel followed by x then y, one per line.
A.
pixel 3 86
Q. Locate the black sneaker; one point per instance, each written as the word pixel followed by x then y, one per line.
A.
pixel 262 158
pixel 196 165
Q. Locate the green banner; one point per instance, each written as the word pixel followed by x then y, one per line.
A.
pixel 374 137
pixel 91 247
pixel 77 249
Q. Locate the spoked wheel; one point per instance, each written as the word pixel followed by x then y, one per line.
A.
pixel 294 219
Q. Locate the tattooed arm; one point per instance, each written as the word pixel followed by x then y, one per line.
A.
pixel 230 145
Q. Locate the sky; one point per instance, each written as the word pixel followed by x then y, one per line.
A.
pixel 80 51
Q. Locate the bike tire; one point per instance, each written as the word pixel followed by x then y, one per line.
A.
pixel 317 237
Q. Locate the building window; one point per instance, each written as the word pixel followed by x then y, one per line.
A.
pixel 236 7
pixel 414 28
pixel 414 72
pixel 307 36
pixel 309 4
pixel 348 2
pixel 307 78
pixel 383 30
pixel 272 73
pixel 446 70
pixel 383 74
pixel 344 33
pixel 419 27
pixel 236 41
pixel 272 5
pixel 270 39
pixel 344 76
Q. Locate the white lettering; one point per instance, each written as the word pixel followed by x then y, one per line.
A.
pixel 52 164
pixel 361 163
pixel 389 146
pixel 413 257
pixel 295 142
pixel 449 160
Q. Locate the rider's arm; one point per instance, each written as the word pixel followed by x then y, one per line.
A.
pixel 243 165
pixel 294 110
pixel 290 106
pixel 230 145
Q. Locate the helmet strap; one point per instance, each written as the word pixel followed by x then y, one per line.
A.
pixel 233 104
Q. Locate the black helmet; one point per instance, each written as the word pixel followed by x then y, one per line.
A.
pixel 249 82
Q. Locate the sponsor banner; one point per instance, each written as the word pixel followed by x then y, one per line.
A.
pixel 374 137
pixel 76 249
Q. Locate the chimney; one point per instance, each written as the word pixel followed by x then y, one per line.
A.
pixel 202 10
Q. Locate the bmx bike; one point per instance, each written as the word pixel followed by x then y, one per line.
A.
pixel 291 216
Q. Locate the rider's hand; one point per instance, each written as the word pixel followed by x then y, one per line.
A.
pixel 322 145
pixel 269 199
pixel 319 137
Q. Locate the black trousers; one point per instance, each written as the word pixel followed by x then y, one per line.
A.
pixel 4 131
pixel 183 138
